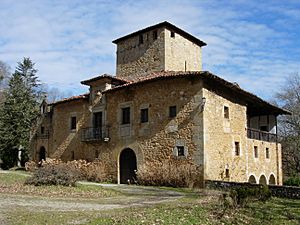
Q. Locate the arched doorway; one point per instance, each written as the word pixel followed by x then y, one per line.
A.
pixel 252 180
pixel 272 179
pixel 263 180
pixel 127 166
pixel 42 154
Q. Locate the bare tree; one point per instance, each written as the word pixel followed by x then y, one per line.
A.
pixel 54 94
pixel 4 75
pixel 289 126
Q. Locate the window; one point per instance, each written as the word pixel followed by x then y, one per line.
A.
pixel 180 150
pixel 267 153
pixel 144 115
pixel 255 152
pixel 237 148
pixel 264 128
pixel 172 34
pixel 172 111
pixel 126 115
pixel 73 123
pixel 226 112
pixel 227 173
pixel 155 35
pixel 141 39
pixel 97 122
pixel 42 130
pixel 72 155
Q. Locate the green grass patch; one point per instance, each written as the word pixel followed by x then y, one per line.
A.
pixel 12 178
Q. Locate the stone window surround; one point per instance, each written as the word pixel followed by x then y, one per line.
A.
pixel 73 114
pixel 95 110
pixel 145 106
pixel 240 148
pixel 119 118
pixel 180 143
pixel 226 115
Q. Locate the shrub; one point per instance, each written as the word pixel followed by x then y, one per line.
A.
pixel 54 175
pixel 293 181
pixel 242 195
pixel 172 173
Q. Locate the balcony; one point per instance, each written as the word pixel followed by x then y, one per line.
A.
pixel 261 135
pixel 44 135
pixel 94 134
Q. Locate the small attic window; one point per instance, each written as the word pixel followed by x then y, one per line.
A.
pixel 141 39
pixel 172 34
pixel 155 35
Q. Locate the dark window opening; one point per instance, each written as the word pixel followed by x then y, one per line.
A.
pixel 237 148
pixel 227 173
pixel 267 153
pixel 73 123
pixel 172 111
pixel 255 152
pixel 97 120
pixel 264 128
pixel 155 35
pixel 72 155
pixel 126 115
pixel 226 112
pixel 96 153
pixel 42 130
pixel 180 150
pixel 144 115
pixel 141 39
pixel 172 34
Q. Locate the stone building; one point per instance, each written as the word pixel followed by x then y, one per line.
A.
pixel 162 106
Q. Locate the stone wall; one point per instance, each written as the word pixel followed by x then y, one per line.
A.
pixel 181 54
pixel 220 135
pixel 134 58
pixel 277 191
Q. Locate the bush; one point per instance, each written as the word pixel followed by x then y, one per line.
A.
pixel 54 175
pixel 293 181
pixel 172 173
pixel 242 195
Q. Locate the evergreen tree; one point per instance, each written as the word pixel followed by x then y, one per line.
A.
pixel 17 113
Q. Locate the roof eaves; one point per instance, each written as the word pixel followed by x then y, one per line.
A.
pixel 163 24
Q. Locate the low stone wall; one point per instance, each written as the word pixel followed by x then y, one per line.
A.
pixel 277 191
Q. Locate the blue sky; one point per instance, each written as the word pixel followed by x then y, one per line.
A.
pixel 254 43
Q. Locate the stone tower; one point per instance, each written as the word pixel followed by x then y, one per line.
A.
pixel 162 47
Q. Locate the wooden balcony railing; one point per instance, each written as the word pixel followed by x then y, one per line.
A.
pixel 94 134
pixel 261 135
pixel 44 135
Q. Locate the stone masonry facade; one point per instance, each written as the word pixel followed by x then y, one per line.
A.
pixel 161 106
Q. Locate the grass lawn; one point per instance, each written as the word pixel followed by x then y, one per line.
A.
pixel 13 183
pixel 196 207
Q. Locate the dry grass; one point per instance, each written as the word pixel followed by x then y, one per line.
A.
pixel 169 173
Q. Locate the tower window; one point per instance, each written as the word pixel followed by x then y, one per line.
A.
pixel 42 130
pixel 155 35
pixel 237 148
pixel 172 34
pixel 227 173
pixel 141 39
pixel 255 152
pixel 172 111
pixel 226 112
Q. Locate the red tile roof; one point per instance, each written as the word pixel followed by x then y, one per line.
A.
pixel 204 75
pixel 103 76
pixel 73 98
pixel 163 24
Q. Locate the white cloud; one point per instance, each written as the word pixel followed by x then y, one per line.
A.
pixel 71 40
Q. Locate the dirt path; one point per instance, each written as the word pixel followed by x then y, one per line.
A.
pixel 132 195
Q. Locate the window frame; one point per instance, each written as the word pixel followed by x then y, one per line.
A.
pixel 226 112
pixel 172 113
pixel 172 34
pixel 180 149
pixel 237 148
pixel 144 113
pixel 73 123
pixel 267 153
pixel 141 39
pixel 255 149
pixel 125 118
